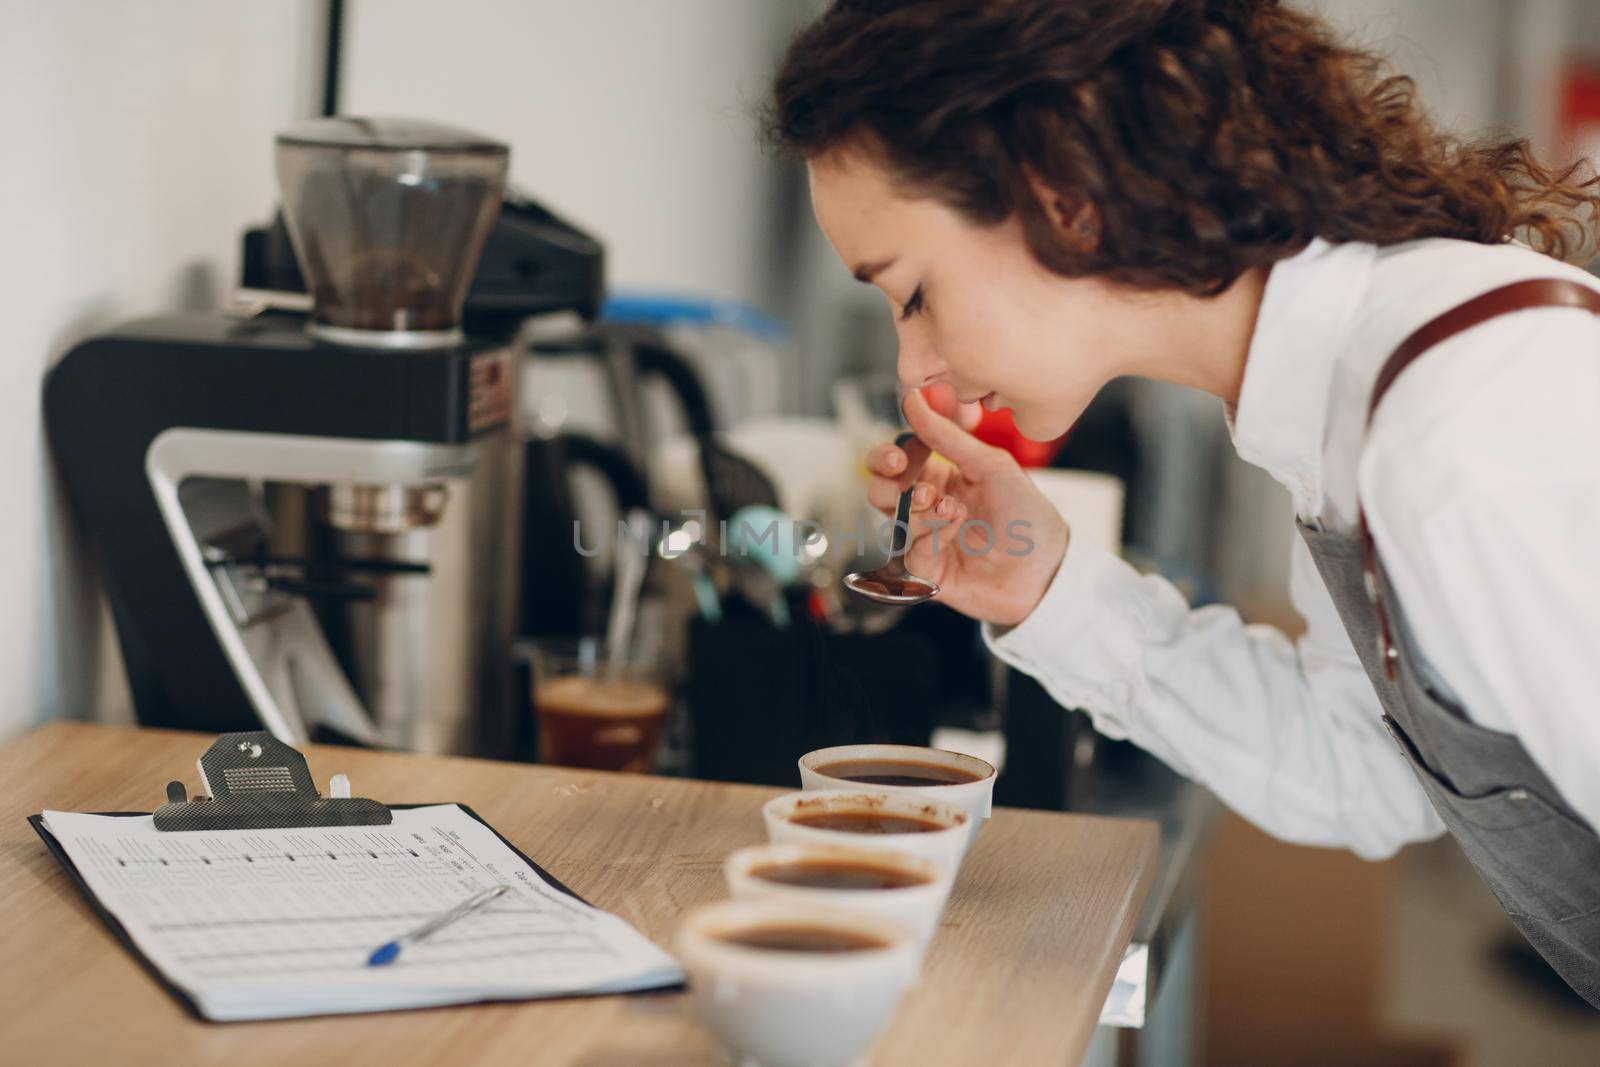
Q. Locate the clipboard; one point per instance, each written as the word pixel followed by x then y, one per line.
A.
pixel 296 801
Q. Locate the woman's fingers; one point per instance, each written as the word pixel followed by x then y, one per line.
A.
pixel 941 397
pixel 935 540
pixel 948 439
pixel 884 494
pixel 904 464
pixel 939 521
pixel 886 460
pixel 894 463
pixel 895 468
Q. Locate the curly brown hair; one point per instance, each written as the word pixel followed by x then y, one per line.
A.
pixel 1209 136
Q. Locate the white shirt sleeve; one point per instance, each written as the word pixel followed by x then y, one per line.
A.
pixel 1288 734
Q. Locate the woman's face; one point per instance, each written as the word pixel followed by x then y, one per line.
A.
pixel 971 305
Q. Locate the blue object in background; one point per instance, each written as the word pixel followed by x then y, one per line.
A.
pixel 643 308
pixel 766 536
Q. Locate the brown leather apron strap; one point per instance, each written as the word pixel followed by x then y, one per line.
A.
pixel 1518 296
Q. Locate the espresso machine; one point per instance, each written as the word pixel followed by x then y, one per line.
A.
pixel 306 512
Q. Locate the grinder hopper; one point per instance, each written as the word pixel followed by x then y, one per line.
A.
pixel 388 218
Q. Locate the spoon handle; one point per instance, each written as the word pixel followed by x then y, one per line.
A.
pixel 902 511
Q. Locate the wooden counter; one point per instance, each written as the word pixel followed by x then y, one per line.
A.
pixel 1017 974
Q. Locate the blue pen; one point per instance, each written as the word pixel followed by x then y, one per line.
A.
pixel 386 953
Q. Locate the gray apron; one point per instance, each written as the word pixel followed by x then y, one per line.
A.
pixel 1539 856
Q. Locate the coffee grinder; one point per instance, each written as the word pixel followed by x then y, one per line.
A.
pixel 309 522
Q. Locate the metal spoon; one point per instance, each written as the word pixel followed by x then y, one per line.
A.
pixel 892 583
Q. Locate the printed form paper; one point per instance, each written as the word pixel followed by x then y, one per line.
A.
pixel 257 924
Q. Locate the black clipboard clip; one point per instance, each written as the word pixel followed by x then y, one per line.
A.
pixel 253 781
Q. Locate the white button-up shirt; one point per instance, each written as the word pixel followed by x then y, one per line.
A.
pixel 1481 482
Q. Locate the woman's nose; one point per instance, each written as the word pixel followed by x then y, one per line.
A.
pixel 918 364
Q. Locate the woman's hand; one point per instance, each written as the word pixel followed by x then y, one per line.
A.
pixel 980 529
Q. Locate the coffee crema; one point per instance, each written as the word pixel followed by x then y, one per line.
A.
pixel 838 874
pixel 796 938
pixel 898 772
pixel 866 822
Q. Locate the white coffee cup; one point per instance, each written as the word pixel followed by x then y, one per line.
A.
pixel 976 796
pixel 916 906
pixel 781 1008
pixel 945 846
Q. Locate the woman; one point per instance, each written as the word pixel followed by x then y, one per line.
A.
pixel 1054 193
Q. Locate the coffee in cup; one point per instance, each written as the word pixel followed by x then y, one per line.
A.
pixel 899 886
pixel 866 822
pixel 897 772
pixel 846 873
pixel 956 777
pixel 790 937
pixel 791 984
pixel 875 819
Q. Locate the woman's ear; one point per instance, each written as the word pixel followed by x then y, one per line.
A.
pixel 1071 215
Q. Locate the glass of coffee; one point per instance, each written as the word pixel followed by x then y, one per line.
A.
pixel 595 711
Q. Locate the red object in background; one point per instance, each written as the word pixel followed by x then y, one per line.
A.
pixel 1580 111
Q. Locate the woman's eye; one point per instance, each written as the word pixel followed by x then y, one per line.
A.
pixel 913 305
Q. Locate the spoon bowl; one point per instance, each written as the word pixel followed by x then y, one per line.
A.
pixel 887 588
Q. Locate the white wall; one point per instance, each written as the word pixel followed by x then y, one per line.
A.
pixel 1452 48
pixel 137 142
pixel 631 117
